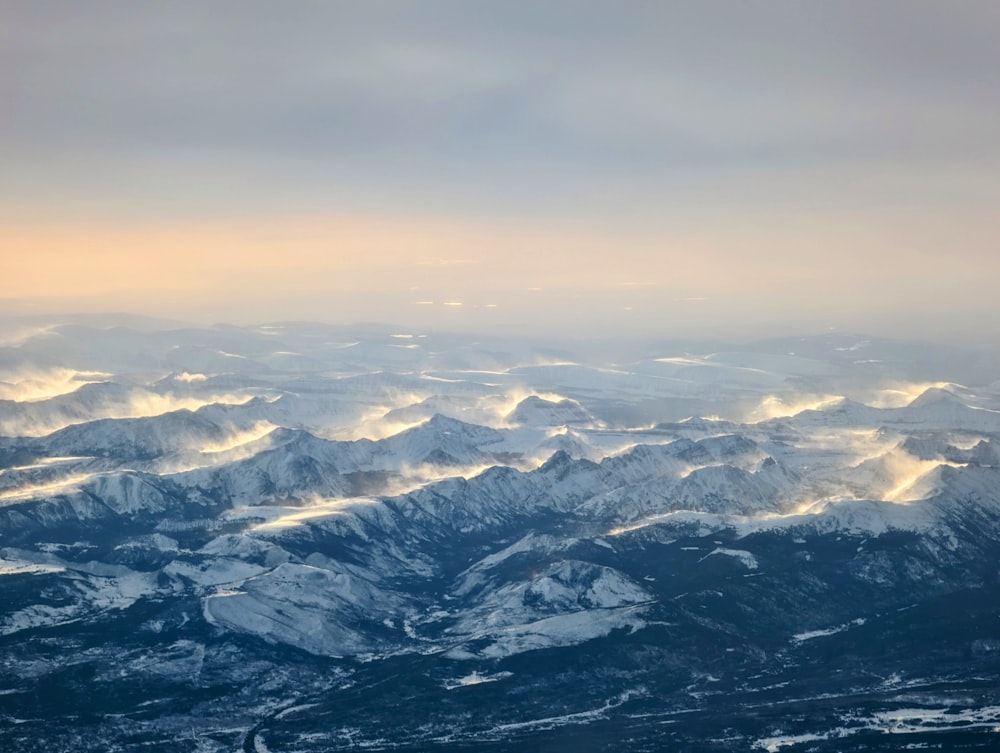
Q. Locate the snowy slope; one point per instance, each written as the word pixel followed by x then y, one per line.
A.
pixel 306 537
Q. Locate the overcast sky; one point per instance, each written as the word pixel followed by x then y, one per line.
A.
pixel 645 167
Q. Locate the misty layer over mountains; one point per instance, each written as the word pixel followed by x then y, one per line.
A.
pixel 299 537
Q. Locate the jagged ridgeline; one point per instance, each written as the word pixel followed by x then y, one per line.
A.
pixel 311 538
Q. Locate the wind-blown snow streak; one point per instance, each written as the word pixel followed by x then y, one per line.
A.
pixel 235 441
pixel 31 386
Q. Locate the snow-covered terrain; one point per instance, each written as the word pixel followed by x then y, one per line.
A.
pixel 303 537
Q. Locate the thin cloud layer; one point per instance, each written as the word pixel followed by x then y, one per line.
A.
pixel 775 159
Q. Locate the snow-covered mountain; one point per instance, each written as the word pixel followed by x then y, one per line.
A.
pixel 314 539
pixel 534 410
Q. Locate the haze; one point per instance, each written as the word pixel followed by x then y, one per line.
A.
pixel 649 168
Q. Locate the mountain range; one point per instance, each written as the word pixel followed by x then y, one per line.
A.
pixel 299 537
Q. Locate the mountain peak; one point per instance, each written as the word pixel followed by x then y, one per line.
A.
pixel 540 411
pixel 934 396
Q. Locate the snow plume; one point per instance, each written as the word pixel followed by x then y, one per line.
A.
pixel 189 378
pixel 398 411
pixel 236 446
pixel 239 439
pixel 30 385
pixel 40 417
pixel 15 334
pixel 899 394
pixel 893 394
pixel 64 485
pixel 494 409
pixel 781 406
pixel 859 444
pixel 142 403
pixel 898 476
pixel 279 517
pixel 913 483
pixel 374 425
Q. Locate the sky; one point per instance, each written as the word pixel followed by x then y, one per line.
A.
pixel 664 168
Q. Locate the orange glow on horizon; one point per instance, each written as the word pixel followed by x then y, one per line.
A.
pixel 253 268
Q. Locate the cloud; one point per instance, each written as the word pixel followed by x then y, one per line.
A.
pixel 775 158
pixel 514 100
